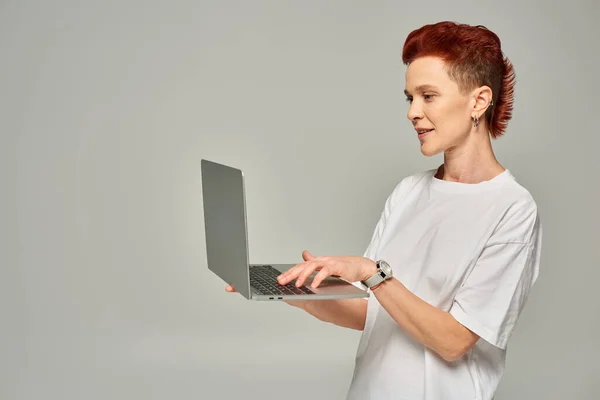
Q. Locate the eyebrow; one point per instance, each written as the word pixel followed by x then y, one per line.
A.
pixel 422 88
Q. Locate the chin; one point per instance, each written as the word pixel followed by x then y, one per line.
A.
pixel 429 151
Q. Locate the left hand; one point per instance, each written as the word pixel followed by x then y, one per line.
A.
pixel 350 268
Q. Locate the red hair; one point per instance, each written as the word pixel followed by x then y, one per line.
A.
pixel 474 58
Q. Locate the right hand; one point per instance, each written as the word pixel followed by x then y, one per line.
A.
pixel 296 303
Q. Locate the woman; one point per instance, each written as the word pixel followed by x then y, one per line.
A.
pixel 463 240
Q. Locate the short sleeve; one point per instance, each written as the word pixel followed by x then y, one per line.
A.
pixel 390 202
pixel 371 250
pixel 492 297
pixel 376 237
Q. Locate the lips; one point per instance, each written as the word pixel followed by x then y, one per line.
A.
pixel 423 132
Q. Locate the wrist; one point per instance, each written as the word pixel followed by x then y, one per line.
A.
pixel 370 269
pixel 379 284
pixel 380 272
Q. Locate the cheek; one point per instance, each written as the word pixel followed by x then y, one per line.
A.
pixel 448 119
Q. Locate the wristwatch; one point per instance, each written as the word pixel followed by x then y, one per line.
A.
pixel 384 272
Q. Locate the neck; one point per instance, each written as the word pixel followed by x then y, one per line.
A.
pixel 472 161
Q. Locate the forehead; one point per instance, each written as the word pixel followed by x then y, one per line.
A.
pixel 427 71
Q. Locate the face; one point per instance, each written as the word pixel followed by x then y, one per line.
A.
pixel 437 106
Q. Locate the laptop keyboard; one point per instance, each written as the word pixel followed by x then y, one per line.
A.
pixel 263 279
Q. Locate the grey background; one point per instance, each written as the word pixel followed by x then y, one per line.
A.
pixel 106 109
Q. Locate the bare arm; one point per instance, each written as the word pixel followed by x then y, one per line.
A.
pixel 436 329
pixel 347 313
pixel 431 326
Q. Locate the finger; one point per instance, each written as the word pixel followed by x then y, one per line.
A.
pixel 230 289
pixel 310 268
pixel 320 277
pixel 290 274
pixel 307 256
pixel 286 276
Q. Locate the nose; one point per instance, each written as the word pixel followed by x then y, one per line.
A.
pixel 414 112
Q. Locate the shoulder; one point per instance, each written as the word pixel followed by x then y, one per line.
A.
pixel 520 216
pixel 409 183
pixel 417 179
pixel 518 200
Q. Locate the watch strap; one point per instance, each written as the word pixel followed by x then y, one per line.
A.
pixel 376 278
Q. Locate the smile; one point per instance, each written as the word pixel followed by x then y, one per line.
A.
pixel 424 132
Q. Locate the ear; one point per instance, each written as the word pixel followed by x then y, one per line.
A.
pixel 482 98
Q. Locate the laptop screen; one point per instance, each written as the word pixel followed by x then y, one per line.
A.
pixel 225 224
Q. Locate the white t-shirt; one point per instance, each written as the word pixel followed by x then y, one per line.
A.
pixel 469 249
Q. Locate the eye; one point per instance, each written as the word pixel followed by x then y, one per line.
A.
pixel 409 99
pixel 428 97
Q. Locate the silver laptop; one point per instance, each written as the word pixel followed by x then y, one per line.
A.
pixel 227 245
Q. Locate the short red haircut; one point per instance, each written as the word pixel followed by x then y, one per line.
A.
pixel 474 58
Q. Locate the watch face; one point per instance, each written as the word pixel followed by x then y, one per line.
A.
pixel 385 267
